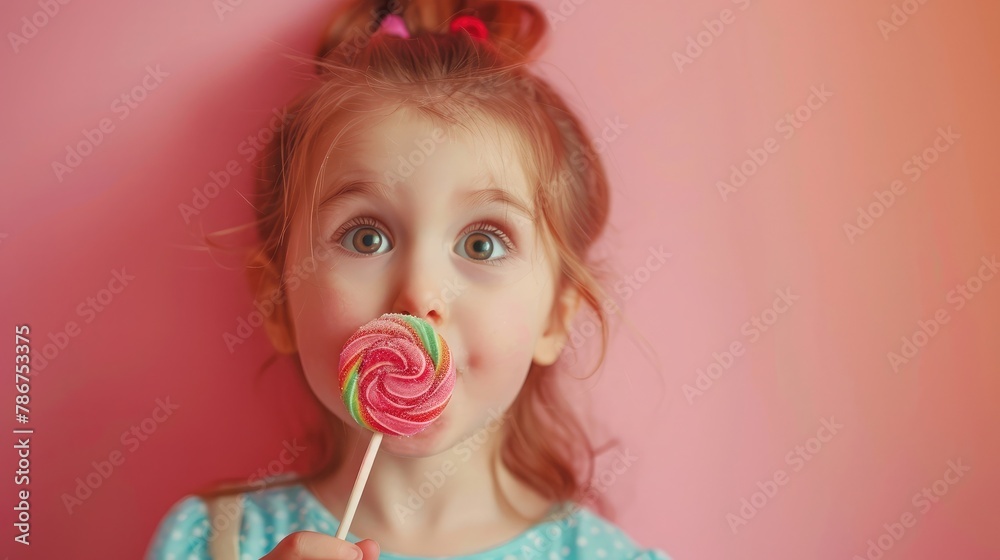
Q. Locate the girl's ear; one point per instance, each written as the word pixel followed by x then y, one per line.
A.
pixel 551 343
pixel 265 282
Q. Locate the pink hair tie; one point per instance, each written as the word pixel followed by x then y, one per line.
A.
pixel 393 24
pixel 471 25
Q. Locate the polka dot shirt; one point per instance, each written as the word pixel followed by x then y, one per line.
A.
pixel 271 515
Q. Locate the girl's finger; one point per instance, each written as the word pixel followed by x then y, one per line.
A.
pixel 308 545
pixel 370 548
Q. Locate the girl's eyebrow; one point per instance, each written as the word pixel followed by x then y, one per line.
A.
pixel 477 198
pixel 493 195
pixel 361 189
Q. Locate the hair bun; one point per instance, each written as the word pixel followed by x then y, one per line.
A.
pixel 515 28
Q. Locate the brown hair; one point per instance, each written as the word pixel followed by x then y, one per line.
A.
pixel 459 80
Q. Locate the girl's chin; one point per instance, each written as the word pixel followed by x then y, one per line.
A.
pixel 426 443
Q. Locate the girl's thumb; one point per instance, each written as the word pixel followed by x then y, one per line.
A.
pixel 369 548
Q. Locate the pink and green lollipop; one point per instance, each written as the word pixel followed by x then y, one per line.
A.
pixel 396 376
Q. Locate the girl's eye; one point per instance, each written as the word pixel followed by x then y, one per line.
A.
pixel 366 239
pixel 483 242
pixel 491 245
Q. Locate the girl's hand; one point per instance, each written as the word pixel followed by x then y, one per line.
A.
pixel 307 545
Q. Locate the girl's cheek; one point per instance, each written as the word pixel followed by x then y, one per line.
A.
pixel 349 301
pixel 327 307
pixel 506 343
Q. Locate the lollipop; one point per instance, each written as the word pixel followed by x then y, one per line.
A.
pixel 396 377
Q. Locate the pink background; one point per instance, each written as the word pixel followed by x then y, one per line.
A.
pixel 826 356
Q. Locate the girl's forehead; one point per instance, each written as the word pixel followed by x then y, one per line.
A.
pixel 403 129
pixel 397 144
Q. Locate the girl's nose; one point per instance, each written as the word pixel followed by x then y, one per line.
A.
pixel 429 308
pixel 420 291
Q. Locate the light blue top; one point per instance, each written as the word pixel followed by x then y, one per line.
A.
pixel 270 515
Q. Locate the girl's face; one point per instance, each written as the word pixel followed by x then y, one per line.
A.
pixel 437 223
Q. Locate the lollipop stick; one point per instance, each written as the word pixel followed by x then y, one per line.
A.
pixel 359 485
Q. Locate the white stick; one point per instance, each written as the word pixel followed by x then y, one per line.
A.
pixel 359 485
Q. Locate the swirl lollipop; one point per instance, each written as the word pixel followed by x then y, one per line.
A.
pixel 396 377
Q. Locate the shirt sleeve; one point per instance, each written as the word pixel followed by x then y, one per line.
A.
pixel 591 537
pixel 183 532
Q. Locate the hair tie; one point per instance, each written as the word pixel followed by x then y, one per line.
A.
pixel 471 25
pixel 393 24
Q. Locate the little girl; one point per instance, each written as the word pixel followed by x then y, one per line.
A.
pixel 428 172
